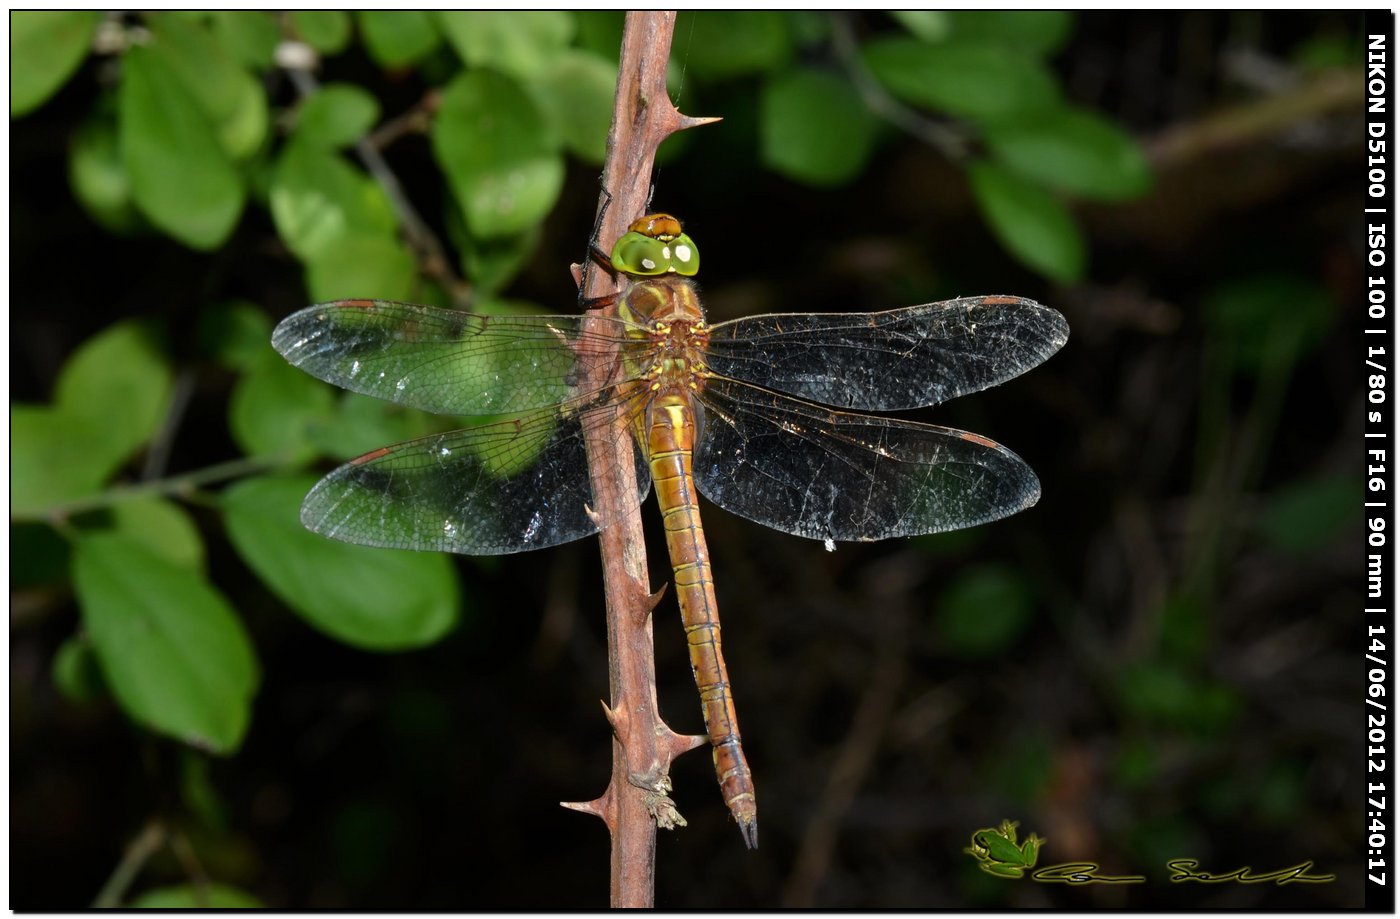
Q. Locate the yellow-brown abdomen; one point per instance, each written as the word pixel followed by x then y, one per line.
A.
pixel 670 441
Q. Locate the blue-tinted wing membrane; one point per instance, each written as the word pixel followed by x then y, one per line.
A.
pixel 449 362
pixel 490 490
pixel 825 474
pixel 900 359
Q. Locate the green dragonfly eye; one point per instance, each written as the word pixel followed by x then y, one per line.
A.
pixel 640 255
pixel 685 258
pixel 655 246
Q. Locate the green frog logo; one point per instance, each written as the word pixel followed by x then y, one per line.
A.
pixel 998 853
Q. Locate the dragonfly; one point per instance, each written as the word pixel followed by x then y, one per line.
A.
pixel 763 415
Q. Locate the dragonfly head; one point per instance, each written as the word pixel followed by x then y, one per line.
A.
pixel 654 245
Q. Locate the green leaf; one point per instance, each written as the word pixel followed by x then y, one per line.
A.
pixel 397 38
pixel 927 25
pixel 492 142
pixel 98 178
pixel 233 101
pixel 317 200
pixel 53 459
pixel 192 896
pixel 162 527
pixel 172 650
pixel 984 82
pixel 1030 222
pixel 198 62
pixel 337 115
pixel 46 47
pixel 251 36
pixel 813 127
pixel 235 333
pixel 519 43
pixel 378 599
pixel 1072 150
pixel 75 671
pixel 275 410
pixel 118 384
pixel 181 178
pixel 1305 516
pixel 366 267
pixel 1037 32
pixel 243 132
pixel 491 264
pixel 983 611
pixel 575 93
pixel 328 31
pixel 723 45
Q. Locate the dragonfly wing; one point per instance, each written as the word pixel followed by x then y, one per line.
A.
pixel 900 359
pixel 833 475
pixel 449 362
pixel 489 490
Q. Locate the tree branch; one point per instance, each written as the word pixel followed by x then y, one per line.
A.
pixel 138 852
pixel 1330 93
pixel 946 139
pixel 643 746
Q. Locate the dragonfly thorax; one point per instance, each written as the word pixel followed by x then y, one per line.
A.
pixel 670 331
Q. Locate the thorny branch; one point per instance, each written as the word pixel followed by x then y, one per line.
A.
pixel 643 746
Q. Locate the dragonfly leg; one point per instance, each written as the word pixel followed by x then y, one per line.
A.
pixel 597 303
pixel 594 253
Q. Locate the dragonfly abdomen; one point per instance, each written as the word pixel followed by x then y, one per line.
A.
pixel 670 442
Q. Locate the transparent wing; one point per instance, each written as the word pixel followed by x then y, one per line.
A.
pixel 824 474
pixel 900 359
pixel 450 362
pixel 489 490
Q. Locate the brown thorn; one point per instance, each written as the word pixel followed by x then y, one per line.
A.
pixel 617 717
pixel 676 744
pixel 594 807
pixel 600 807
pixel 685 122
pixel 652 601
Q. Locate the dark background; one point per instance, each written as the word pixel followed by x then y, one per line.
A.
pixel 1157 661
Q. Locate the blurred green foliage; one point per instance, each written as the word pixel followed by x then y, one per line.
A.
pixel 175 654
pixel 981 613
pixel 46 47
